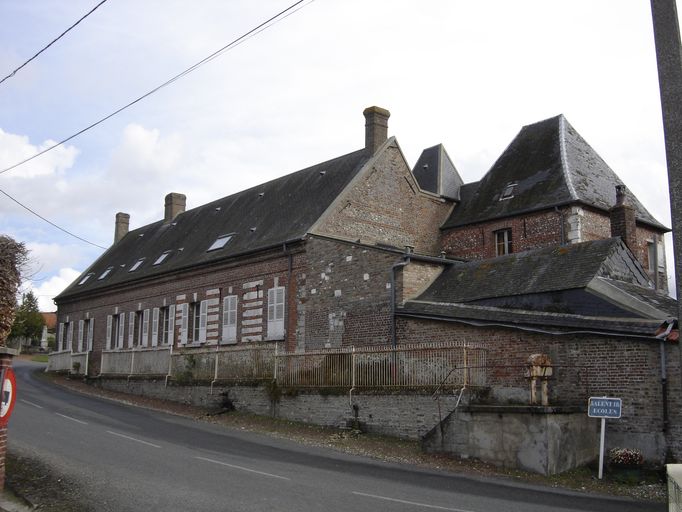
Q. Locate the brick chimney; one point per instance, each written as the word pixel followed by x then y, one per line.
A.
pixel 376 127
pixel 121 226
pixel 623 222
pixel 175 205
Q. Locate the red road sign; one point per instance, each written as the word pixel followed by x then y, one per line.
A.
pixel 8 395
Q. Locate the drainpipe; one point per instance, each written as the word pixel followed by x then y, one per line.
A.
pixel 664 372
pixel 405 262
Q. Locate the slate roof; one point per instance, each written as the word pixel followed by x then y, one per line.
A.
pixel 260 217
pixel 435 172
pixel 552 165
pixel 591 286
pixel 542 270
pixel 555 323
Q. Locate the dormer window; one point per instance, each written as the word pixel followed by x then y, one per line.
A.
pixel 105 273
pixel 136 265
pixel 85 279
pixel 162 258
pixel 508 191
pixel 220 242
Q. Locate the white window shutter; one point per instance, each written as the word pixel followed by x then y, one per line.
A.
pixel 60 337
pixel 109 323
pixel 69 336
pixel 276 313
pixel 171 324
pixel 91 332
pixel 81 325
pixel 155 327
pixel 121 328
pixel 184 321
pixel 230 319
pixel 145 328
pixel 131 330
pixel 203 316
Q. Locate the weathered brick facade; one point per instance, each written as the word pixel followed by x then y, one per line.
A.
pixel 552 228
pixel 376 242
pixel 586 365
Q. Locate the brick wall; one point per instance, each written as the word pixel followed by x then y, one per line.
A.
pixel 587 365
pixel 248 278
pixel 531 231
pixel 386 205
pixel 345 299
pixel 544 229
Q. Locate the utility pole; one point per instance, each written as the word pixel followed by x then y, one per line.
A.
pixel 669 59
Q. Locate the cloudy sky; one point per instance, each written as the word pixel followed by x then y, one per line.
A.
pixel 462 73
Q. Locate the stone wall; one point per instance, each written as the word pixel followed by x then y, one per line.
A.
pixel 406 415
pixel 585 365
pixel 543 440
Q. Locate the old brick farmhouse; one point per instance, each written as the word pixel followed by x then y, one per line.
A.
pixel 548 253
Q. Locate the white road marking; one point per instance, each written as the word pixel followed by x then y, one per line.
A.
pixel 243 468
pixel 132 439
pixel 70 418
pixel 31 403
pixel 409 502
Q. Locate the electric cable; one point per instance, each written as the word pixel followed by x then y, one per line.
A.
pixel 247 35
pixel 53 41
pixel 49 221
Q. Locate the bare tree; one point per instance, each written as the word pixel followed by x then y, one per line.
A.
pixel 13 258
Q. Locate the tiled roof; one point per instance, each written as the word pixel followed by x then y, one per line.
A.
pixel 551 165
pixel 263 216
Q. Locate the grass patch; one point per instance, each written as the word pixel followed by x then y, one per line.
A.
pixel 39 358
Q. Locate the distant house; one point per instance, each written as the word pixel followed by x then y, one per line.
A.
pixel 547 253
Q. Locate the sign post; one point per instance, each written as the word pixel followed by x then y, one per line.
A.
pixel 603 407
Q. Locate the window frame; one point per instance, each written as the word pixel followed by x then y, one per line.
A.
pixel 505 243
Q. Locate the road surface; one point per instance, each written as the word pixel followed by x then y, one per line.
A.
pixel 126 458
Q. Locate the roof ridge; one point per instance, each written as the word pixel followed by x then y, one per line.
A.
pixel 564 159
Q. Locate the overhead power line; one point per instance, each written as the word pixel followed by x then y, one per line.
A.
pixel 53 41
pixel 49 221
pixel 247 35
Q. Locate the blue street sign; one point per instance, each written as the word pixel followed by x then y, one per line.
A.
pixel 603 407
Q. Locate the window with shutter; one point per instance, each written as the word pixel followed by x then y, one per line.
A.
pixel 155 327
pixel 184 322
pixel 131 330
pixel 203 317
pixel 91 332
pixel 81 325
pixel 121 328
pixel 276 313
pixel 230 319
pixel 109 326
pixel 171 324
pixel 145 328
pixel 60 337
pixel 69 336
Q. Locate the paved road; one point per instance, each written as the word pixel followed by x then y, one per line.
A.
pixel 127 458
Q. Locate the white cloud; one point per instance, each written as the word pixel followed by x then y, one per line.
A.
pixel 15 148
pixel 47 290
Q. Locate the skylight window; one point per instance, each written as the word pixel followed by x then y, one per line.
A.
pixel 508 191
pixel 85 279
pixel 136 265
pixel 106 273
pixel 162 258
pixel 220 242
